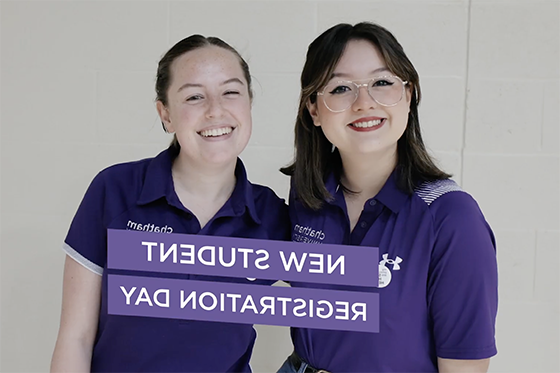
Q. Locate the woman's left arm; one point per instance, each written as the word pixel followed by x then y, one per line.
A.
pixel 462 285
pixel 463 366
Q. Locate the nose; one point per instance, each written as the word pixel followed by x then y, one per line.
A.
pixel 364 101
pixel 214 108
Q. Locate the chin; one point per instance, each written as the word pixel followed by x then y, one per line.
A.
pixel 221 159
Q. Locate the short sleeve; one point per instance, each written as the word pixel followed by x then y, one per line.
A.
pixel 463 279
pixel 86 241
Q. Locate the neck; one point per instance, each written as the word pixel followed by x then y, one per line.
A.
pixel 367 175
pixel 206 182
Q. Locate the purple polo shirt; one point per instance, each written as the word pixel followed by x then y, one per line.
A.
pixel 437 279
pixel 140 196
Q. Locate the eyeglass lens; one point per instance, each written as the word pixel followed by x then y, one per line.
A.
pixel 340 95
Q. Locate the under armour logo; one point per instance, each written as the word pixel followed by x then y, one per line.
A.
pixel 394 262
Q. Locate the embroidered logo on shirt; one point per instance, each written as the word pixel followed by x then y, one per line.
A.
pixel 131 225
pixel 384 272
pixel 307 234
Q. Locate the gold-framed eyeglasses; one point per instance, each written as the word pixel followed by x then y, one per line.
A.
pixel 339 95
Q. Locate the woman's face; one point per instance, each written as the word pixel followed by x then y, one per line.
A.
pixel 366 127
pixel 208 106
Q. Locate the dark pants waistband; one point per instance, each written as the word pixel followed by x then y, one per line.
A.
pixel 296 361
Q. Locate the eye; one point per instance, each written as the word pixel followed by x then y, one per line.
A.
pixel 232 93
pixel 338 89
pixel 382 83
pixel 194 98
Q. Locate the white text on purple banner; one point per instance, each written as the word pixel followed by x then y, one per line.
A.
pixel 243 258
pixel 243 303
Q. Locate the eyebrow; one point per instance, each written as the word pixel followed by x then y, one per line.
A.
pixel 343 75
pixel 188 85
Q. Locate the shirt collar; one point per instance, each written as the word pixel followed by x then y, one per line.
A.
pixel 390 194
pixel 158 183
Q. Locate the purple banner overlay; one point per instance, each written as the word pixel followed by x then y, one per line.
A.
pixel 243 257
pixel 243 303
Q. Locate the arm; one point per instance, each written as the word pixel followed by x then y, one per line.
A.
pixel 81 298
pixel 463 366
pixel 463 284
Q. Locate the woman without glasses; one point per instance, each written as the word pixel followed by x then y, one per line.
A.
pixel 363 176
pixel 197 186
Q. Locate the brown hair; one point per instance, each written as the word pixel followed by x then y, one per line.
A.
pixel 193 42
pixel 314 159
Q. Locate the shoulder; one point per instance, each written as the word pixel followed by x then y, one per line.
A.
pixel 430 191
pixel 266 198
pixel 272 212
pixel 445 198
pixel 124 179
pixel 262 196
pixel 124 173
pixel 457 219
pixel 115 188
pixel 108 195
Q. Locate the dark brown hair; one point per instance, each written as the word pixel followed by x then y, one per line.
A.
pixel 314 159
pixel 193 42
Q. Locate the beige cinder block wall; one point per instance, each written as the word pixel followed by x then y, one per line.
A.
pixel 77 95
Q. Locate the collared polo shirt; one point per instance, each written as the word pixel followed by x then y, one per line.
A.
pixel 140 196
pixel 437 279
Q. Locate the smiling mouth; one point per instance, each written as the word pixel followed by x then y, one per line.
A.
pixel 367 124
pixel 216 132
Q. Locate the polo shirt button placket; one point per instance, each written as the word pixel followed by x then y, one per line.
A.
pixel 372 202
pixel 363 224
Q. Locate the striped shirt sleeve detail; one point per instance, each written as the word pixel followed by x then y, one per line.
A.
pixel 82 260
pixel 431 190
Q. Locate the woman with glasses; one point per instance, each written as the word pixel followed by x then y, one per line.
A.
pixel 362 175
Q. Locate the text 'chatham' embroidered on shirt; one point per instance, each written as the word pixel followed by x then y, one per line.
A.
pixel 131 225
pixel 307 234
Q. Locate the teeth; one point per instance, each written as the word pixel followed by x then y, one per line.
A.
pixel 214 132
pixel 367 124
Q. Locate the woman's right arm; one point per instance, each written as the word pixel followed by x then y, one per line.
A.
pixel 81 298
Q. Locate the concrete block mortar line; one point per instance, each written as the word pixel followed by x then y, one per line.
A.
pixel 96 75
pixel 466 96
pixel 515 79
pixel 541 145
pixel 525 154
pixel 272 73
pixel 536 257
pixel 168 26
pixel 117 70
pixel 316 17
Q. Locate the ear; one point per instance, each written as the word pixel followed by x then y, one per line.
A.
pixel 312 108
pixel 408 95
pixel 164 116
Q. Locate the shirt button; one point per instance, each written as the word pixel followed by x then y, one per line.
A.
pixel 363 224
pixel 372 202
